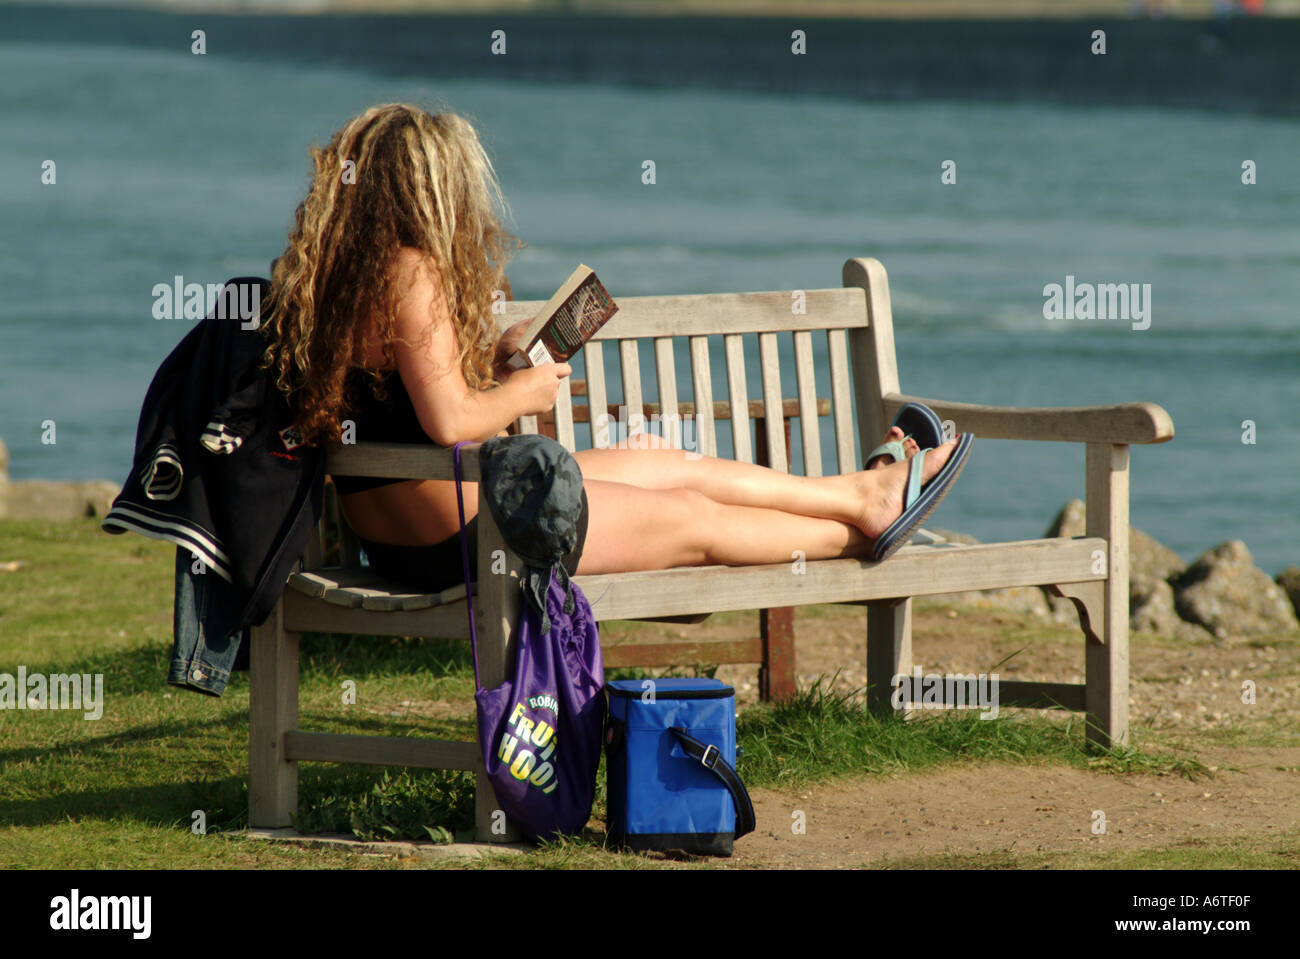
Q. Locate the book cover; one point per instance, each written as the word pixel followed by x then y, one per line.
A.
pixel 579 308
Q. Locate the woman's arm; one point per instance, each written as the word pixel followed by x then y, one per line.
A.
pixel 427 361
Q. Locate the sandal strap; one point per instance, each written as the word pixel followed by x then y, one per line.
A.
pixel 914 479
pixel 892 448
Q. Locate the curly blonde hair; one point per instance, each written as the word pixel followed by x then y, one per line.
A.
pixel 395 176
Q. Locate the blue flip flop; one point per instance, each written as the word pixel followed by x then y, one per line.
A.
pixel 920 501
pixel 917 421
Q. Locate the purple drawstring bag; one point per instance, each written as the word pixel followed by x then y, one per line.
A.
pixel 540 732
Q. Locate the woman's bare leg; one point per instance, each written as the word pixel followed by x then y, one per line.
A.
pixel 631 528
pixel 862 499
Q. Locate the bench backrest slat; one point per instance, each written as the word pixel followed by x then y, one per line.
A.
pixel 564 414
pixel 837 349
pixel 702 384
pixel 809 424
pixel 773 402
pixel 594 355
pixel 648 317
pixel 666 376
pixel 630 369
pixel 738 393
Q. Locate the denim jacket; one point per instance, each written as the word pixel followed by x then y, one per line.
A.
pixel 209 645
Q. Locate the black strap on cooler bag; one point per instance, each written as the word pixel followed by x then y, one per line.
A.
pixel 710 758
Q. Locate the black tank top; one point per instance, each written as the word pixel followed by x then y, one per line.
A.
pixel 390 421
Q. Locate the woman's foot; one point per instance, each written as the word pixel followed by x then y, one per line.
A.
pixel 909 448
pixel 881 489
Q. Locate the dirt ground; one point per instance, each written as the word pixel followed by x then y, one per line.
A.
pixel 1179 691
pixel 1174 685
pixel 978 811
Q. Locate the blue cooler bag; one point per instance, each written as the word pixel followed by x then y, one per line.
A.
pixel 670 754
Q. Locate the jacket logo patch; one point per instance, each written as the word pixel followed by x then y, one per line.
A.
pixel 291 438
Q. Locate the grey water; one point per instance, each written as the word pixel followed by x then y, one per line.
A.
pixel 171 164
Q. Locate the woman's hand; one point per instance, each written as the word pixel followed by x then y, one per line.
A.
pixel 506 347
pixel 537 386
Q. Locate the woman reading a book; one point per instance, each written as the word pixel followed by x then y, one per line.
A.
pixel 381 314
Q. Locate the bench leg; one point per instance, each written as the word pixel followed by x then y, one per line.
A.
pixel 889 652
pixel 272 711
pixel 776 676
pixel 1107 662
pixel 498 605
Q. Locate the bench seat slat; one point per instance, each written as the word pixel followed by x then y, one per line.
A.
pixel 400 460
pixel 308 614
pixel 361 588
pixel 912 571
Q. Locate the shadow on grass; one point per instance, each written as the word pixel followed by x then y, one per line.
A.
pixel 369 802
pixel 143 669
pixel 109 746
pixel 367 656
pixel 224 803
pixel 365 800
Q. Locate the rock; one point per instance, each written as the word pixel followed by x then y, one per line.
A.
pixel 49 499
pixel 1147 558
pixel 46 499
pixel 1020 599
pixel 1151 607
pixel 1072 520
pixel 1191 633
pixel 1289 580
pixel 1151 564
pixel 1222 595
pixel 1227 594
pixel 1060 610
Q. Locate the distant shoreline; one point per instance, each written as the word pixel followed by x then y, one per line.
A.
pixel 1240 65
pixel 816 9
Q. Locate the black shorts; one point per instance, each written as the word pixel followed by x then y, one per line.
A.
pixel 431 569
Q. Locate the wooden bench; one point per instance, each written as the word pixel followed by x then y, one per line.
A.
pixel 774 646
pixel 856 326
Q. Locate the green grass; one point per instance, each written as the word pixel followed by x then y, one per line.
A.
pixel 124 791
pixel 820 735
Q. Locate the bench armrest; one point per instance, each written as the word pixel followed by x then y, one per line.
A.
pixel 1123 423
pixel 400 461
